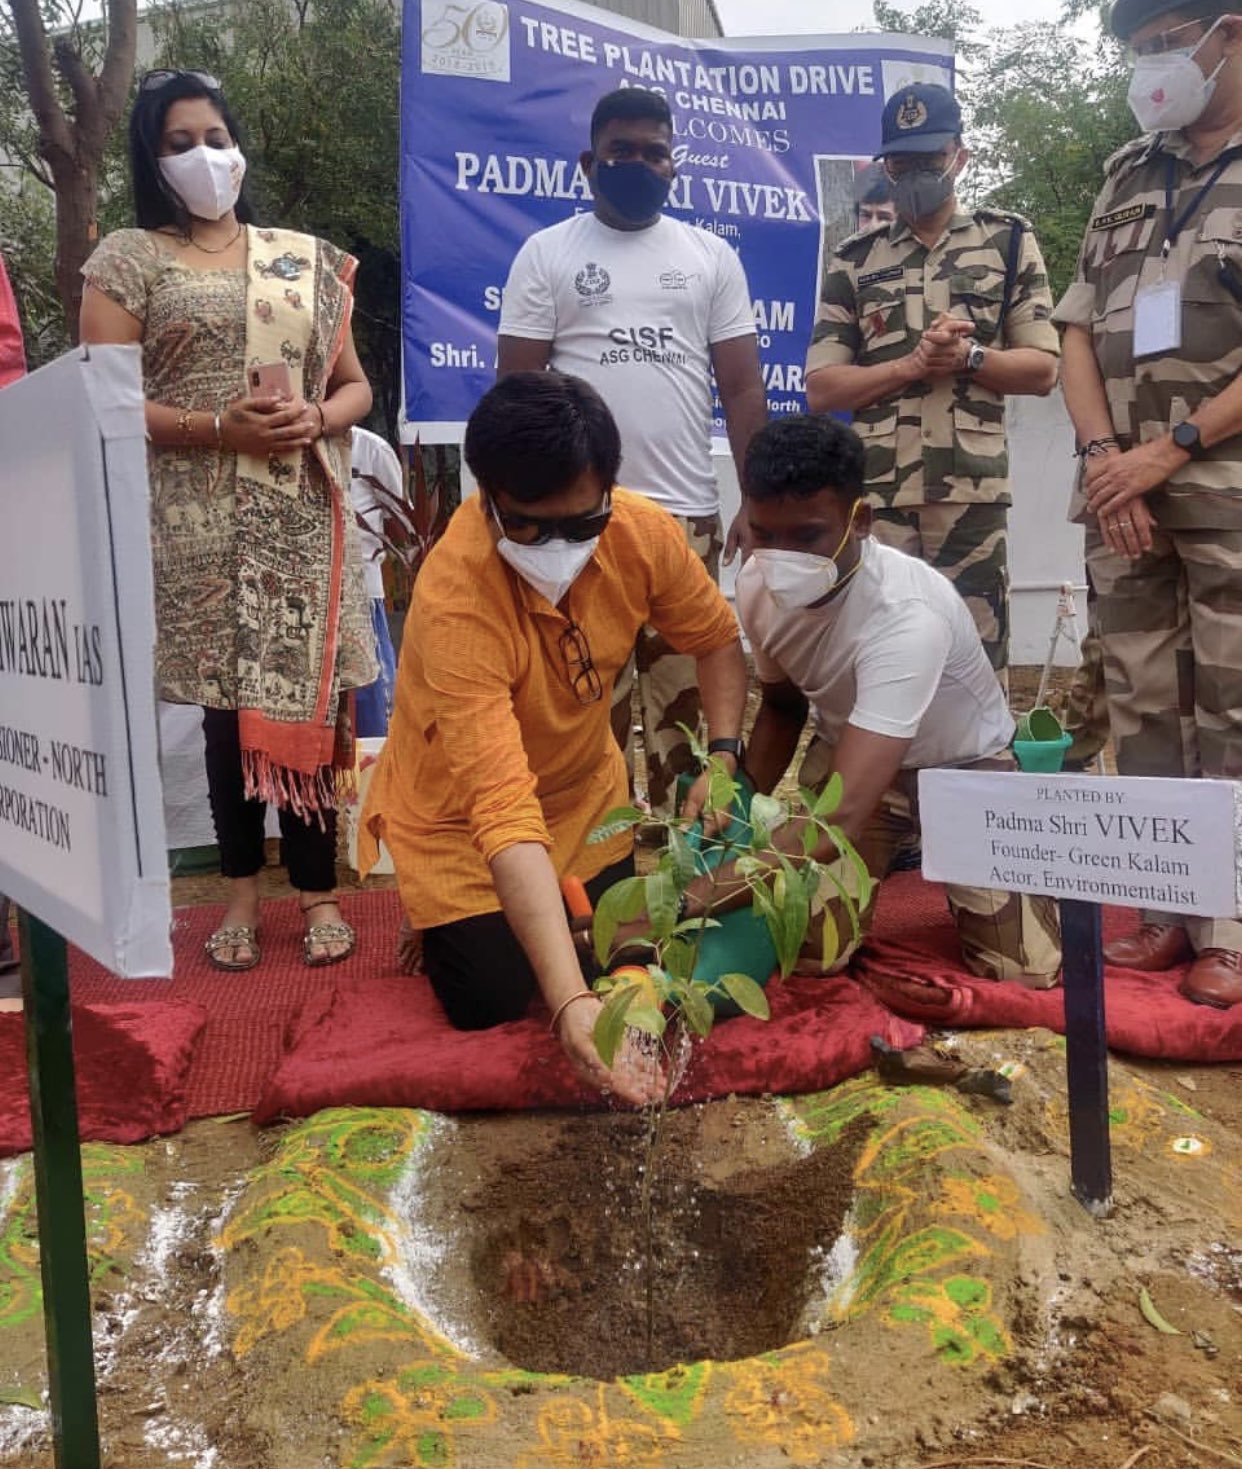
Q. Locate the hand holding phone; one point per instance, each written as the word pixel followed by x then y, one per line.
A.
pixel 270 379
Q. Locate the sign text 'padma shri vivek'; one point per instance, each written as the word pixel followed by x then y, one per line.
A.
pixel 1140 843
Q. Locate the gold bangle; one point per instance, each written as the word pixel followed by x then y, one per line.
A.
pixel 323 422
pixel 565 1004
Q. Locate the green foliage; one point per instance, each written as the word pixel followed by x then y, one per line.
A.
pixel 650 996
pixel 314 86
pixel 28 243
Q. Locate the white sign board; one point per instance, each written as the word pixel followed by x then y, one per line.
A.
pixel 1134 842
pixel 81 825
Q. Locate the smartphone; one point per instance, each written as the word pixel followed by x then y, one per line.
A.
pixel 269 379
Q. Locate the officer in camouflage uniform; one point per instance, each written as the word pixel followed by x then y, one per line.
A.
pixel 909 337
pixel 1153 347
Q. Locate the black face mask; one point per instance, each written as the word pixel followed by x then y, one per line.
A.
pixel 636 192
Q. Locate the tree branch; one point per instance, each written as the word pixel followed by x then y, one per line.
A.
pixel 118 68
pixel 55 133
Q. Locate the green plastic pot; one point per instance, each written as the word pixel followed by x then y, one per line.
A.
pixel 1044 757
pixel 742 943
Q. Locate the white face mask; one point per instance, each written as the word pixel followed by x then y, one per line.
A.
pixel 551 568
pixel 1169 91
pixel 798 578
pixel 206 180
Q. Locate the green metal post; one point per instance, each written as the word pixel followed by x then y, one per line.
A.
pixel 58 1193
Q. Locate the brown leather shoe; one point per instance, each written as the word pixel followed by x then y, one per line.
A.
pixel 1151 946
pixel 1215 978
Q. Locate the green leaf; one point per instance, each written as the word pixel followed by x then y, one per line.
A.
pixel 748 866
pixel 647 1019
pixel 1151 1315
pixel 722 789
pixel 697 1009
pixel 619 819
pixel 683 865
pixel 687 925
pixel 830 797
pixel 746 995
pixel 622 903
pixel 697 748
pixel 610 1026
pixel 830 944
pixel 677 956
pixel 22 1397
pixel 795 915
pixel 810 838
pixel 662 896
pixel 866 883
pixel 767 811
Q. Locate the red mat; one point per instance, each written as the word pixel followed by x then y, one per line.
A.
pixel 243 1059
pixel 132 1064
pixel 248 1014
pixel 387 1043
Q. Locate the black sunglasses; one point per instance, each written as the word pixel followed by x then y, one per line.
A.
pixel 584 679
pixel 557 527
pixel 154 80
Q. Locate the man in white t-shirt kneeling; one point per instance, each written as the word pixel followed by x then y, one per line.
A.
pixel 882 653
pixel 645 308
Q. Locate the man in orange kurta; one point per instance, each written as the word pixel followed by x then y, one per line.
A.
pixel 500 759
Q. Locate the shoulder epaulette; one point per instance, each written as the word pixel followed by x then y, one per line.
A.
pixel 858 245
pixel 1131 153
pixel 1003 216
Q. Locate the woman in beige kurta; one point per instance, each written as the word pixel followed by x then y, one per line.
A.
pixel 261 612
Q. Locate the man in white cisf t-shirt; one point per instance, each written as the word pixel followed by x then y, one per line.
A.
pixel 883 654
pixel 645 308
pixel 374 467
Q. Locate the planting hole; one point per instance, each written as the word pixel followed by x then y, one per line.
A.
pixel 550 1240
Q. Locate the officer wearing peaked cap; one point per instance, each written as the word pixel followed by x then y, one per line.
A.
pixel 925 326
pixel 1153 348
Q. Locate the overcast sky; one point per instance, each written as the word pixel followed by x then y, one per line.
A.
pixel 794 17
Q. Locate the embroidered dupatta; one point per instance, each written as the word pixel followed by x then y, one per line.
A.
pixel 291 512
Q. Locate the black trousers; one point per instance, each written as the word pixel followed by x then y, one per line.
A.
pixel 480 972
pixel 307 851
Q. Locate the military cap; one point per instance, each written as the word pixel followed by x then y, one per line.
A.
pixel 920 118
pixel 1128 16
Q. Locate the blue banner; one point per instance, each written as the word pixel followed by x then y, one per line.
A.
pixel 495 109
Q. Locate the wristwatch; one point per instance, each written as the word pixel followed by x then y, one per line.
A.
pixel 727 745
pixel 1186 436
pixel 975 355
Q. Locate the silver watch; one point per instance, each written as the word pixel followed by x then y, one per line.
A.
pixel 975 355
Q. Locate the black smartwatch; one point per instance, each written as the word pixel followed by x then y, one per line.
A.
pixel 727 745
pixel 1186 436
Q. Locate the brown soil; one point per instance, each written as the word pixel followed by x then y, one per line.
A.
pixel 556 1238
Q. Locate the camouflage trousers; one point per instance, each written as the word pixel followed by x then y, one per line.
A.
pixel 970 544
pixel 1003 935
pixel 667 685
pixel 1171 629
pixel 1084 711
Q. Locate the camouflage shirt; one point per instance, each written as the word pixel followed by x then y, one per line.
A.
pixel 939 441
pixel 1121 252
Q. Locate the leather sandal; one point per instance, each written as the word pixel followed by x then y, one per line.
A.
pixel 320 935
pixel 233 936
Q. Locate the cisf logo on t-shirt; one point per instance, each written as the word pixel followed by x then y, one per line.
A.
pixel 467 40
pixel 592 283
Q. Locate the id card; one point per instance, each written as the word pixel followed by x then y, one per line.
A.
pixel 1158 319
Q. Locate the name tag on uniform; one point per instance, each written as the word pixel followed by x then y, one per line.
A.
pixel 889 273
pixel 1158 319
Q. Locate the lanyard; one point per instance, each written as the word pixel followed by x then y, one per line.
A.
pixel 1176 226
